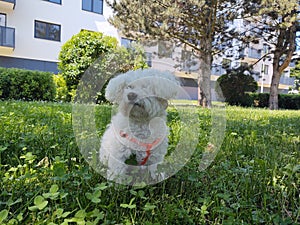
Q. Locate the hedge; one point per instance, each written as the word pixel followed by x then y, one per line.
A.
pixel 285 101
pixel 26 85
pixel 61 88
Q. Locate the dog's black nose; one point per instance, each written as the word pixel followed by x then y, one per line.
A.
pixel 131 96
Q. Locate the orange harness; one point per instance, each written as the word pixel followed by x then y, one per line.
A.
pixel 148 146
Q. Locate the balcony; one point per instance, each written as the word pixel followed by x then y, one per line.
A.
pixel 7 4
pixel 250 55
pixel 7 38
pixel 217 70
pixel 287 80
pixel 254 53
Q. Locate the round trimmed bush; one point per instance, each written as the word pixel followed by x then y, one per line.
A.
pixel 235 84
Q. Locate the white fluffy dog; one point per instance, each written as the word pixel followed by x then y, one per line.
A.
pixel 139 127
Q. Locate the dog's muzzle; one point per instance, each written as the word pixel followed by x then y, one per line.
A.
pixel 132 96
pixel 133 99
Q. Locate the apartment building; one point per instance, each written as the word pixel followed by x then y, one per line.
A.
pixel 182 62
pixel 262 68
pixel 33 31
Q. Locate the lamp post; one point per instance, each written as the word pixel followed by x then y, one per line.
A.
pixel 262 82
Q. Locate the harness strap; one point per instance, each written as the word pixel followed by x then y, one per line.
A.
pixel 148 146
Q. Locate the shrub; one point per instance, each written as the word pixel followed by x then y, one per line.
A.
pixel 289 101
pixel 234 86
pixel 26 85
pixel 260 99
pixel 285 101
pixel 130 58
pixel 97 56
pixel 78 53
pixel 61 88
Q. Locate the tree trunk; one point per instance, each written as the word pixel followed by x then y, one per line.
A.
pixel 284 49
pixel 273 99
pixel 285 46
pixel 204 86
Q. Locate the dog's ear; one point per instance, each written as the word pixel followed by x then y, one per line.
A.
pixel 115 88
pixel 165 88
pixel 163 102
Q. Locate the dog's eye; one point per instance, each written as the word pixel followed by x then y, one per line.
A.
pixel 130 86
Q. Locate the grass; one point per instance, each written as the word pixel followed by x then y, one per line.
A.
pixel 254 178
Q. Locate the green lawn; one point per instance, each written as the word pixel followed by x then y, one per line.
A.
pixel 254 178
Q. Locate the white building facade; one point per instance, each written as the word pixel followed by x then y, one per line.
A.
pixel 186 66
pixel 32 32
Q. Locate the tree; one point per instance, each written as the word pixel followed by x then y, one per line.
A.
pixel 78 53
pixel 234 85
pixel 121 60
pixel 277 25
pixel 85 48
pixel 193 23
pixel 295 72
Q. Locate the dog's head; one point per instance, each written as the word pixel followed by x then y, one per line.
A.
pixel 142 94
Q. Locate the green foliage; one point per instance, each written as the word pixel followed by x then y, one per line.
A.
pixel 295 72
pixel 78 53
pixel 45 180
pixel 155 20
pixel 61 88
pixel 98 57
pixel 259 99
pixel 201 26
pixel 26 85
pixel 130 58
pixel 289 101
pixel 277 27
pixel 285 101
pixel 235 84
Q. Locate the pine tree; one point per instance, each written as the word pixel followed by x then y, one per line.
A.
pixel 201 25
pixel 276 24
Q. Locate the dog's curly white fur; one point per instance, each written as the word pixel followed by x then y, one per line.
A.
pixel 139 127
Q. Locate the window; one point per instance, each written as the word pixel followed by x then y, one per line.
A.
pixel 286 73
pixel 126 42
pixel 54 1
pixel 95 6
pixel 266 49
pixel 47 31
pixel 246 22
pixel 265 69
pixel 165 49
pixel 149 58
pixel 2 20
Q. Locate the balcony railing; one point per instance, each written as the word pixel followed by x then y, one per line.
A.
pixel 217 70
pixel 11 1
pixel 254 53
pixel 287 80
pixel 8 3
pixel 7 37
pixel 292 64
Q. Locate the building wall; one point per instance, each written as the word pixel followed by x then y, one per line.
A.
pixel 69 15
pixel 172 59
pixel 40 54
